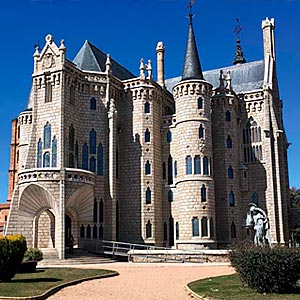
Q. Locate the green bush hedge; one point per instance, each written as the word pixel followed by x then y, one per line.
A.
pixel 12 249
pixel 265 269
pixel 33 254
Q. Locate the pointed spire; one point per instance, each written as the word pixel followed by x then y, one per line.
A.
pixel 239 55
pixel 192 67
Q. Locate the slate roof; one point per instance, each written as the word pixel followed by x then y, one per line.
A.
pixel 192 67
pixel 245 77
pixel 90 58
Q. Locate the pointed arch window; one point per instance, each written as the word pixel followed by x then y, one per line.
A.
pixel 170 196
pixel 95 231
pixel 48 92
pixel 148 195
pixel 147 135
pixel 46 160
pixel 148 229
pixel 147 107
pixel 197 164
pixel 147 168
pixel 93 141
pixel 82 231
pixel 228 116
pixel 101 231
pixel 233 230
pixel 229 142
pixel 230 172
pixel 204 227
pixel 93 104
pixel 164 170
pixel 71 138
pixel 76 154
pixel 203 193
pixel 211 227
pixel 188 165
pixel 195 226
pixel 47 136
pixel 169 136
pixel 205 166
pixel 88 231
pixel 231 199
pixel 85 157
pixel 200 103
pixel 170 169
pixel 39 154
pixel 100 160
pixel 254 198
pixel 201 132
pixel 54 152
pixel 93 164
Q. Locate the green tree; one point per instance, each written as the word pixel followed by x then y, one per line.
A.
pixel 295 197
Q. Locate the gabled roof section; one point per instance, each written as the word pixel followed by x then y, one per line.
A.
pixel 90 58
pixel 192 67
pixel 245 77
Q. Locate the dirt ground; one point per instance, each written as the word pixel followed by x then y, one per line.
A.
pixel 142 282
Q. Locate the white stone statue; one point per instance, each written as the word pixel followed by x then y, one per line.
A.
pixel 258 220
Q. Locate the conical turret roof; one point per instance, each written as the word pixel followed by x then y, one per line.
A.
pixel 192 67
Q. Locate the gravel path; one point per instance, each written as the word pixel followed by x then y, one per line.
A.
pixel 141 282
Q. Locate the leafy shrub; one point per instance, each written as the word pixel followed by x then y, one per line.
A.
pixel 265 269
pixel 12 249
pixel 33 254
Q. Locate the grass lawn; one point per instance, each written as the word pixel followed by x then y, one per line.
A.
pixel 31 284
pixel 230 288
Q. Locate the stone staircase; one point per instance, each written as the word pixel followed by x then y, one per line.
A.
pixel 79 257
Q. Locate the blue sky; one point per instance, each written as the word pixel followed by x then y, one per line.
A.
pixel 130 29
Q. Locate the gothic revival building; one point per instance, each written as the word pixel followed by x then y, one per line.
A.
pixel 102 154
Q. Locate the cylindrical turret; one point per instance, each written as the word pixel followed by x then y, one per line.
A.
pixel 160 52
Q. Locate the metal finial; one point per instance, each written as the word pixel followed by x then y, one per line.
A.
pixel 190 6
pixel 237 28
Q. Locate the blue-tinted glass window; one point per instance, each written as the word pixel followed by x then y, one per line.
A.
pixel 228 116
pixel 229 142
pixel 230 172
pixel 93 141
pixel 170 196
pixel 46 160
pixel 195 226
pixel 170 170
pixel 39 154
pixel 47 136
pixel 205 165
pixel 201 132
pixel 203 193
pixel 197 164
pixel 147 107
pixel 188 165
pixel 169 136
pixel 200 103
pixel 175 169
pixel 254 198
pixel 54 152
pixel 85 157
pixel 148 229
pixel 93 104
pixel 147 168
pixel 231 199
pixel 148 196
pixel 100 160
pixel 147 136
pixel 204 226
pixel 93 164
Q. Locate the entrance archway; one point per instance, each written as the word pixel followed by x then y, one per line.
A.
pixel 45 230
pixel 68 229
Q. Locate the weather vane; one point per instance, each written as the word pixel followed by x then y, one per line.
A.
pixel 190 6
pixel 237 28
